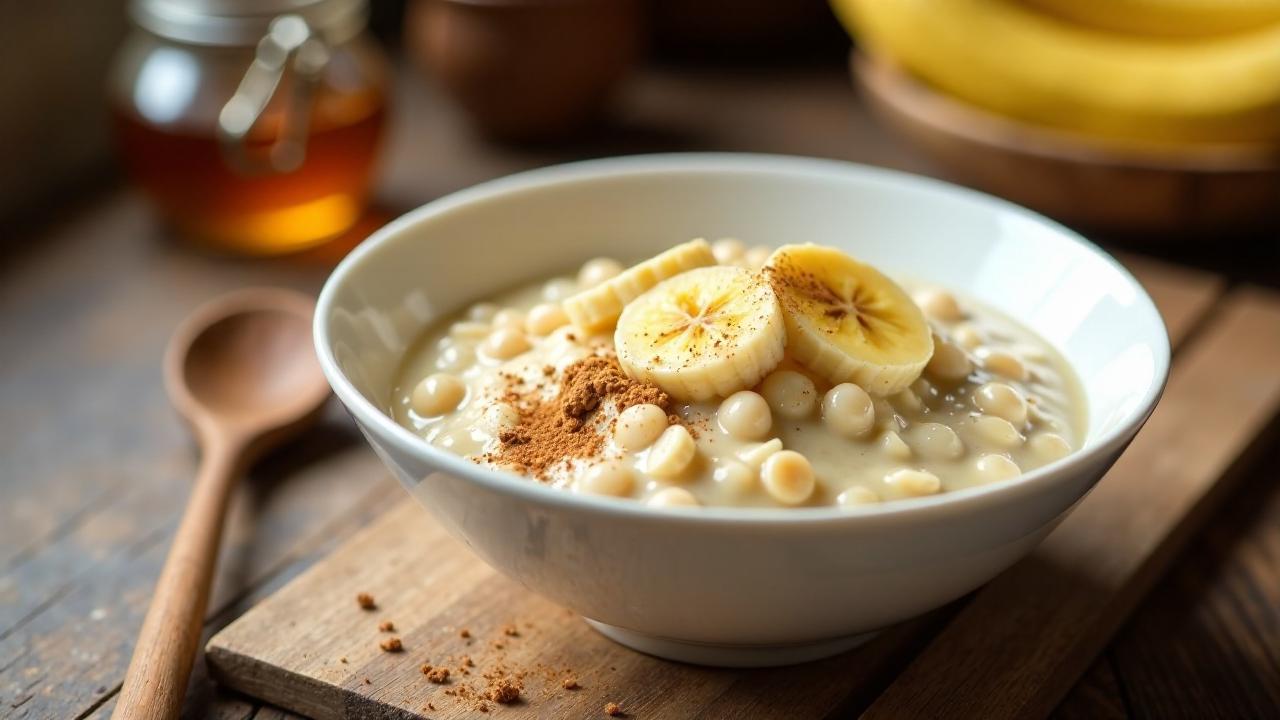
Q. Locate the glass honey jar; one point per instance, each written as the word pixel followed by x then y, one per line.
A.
pixel 253 125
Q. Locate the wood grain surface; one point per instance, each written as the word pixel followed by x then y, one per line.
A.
pixel 96 467
pixel 312 649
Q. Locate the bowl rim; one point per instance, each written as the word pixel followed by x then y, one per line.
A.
pixel 950 503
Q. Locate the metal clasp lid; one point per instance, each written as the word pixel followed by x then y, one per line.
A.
pixel 289 42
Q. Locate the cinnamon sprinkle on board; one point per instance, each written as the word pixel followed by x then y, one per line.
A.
pixel 503 691
pixel 437 675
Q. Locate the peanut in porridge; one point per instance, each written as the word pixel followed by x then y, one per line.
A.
pixel 713 374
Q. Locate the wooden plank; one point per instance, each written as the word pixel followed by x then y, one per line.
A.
pixel 1181 294
pixel 1096 697
pixel 96 464
pixel 72 655
pixel 87 420
pixel 1223 596
pixel 289 649
pixel 68 651
pixel 1021 642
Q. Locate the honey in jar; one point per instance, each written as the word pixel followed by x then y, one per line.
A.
pixel 255 133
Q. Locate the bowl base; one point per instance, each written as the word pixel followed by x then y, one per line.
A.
pixel 734 656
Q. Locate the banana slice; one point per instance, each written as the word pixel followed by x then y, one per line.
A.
pixel 704 333
pixel 848 322
pixel 599 307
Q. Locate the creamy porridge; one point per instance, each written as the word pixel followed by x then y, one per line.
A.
pixel 714 374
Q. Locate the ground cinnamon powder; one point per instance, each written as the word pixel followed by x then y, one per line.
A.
pixel 503 690
pixel 559 428
pixel 437 675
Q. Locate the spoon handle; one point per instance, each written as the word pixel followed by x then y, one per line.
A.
pixel 156 681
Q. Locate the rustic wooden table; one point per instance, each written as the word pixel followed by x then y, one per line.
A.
pixel 94 466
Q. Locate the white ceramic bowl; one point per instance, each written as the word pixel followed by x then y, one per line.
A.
pixel 734 586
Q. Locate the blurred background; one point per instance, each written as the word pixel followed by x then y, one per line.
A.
pixel 270 127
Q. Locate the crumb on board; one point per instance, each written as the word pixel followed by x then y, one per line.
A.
pixel 464 633
pixel 570 683
pixel 391 644
pixel 511 631
pixel 437 675
pixel 386 626
pixel 467 661
pixel 343 659
pixel 503 691
pixel 365 601
pixel 613 709
pixel 367 681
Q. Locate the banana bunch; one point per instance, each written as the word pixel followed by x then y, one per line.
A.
pixel 1174 18
pixel 1174 71
pixel 701 331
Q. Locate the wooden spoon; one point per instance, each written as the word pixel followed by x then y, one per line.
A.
pixel 242 371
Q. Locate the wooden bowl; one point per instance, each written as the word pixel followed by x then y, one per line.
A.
pixel 1128 188
pixel 526 70
pixel 722 30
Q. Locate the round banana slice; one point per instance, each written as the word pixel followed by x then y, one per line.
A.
pixel 598 308
pixel 705 333
pixel 848 322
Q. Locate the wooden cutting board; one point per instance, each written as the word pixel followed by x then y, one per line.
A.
pixel 1010 650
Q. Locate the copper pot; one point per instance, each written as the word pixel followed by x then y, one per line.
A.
pixel 526 69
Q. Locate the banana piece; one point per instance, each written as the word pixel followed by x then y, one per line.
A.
pixel 1020 62
pixel 598 308
pixel 1175 18
pixel 704 333
pixel 846 321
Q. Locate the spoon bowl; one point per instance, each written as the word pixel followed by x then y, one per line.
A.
pixel 242 371
pixel 244 364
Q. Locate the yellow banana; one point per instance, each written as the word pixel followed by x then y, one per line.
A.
pixel 1026 64
pixel 1177 18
